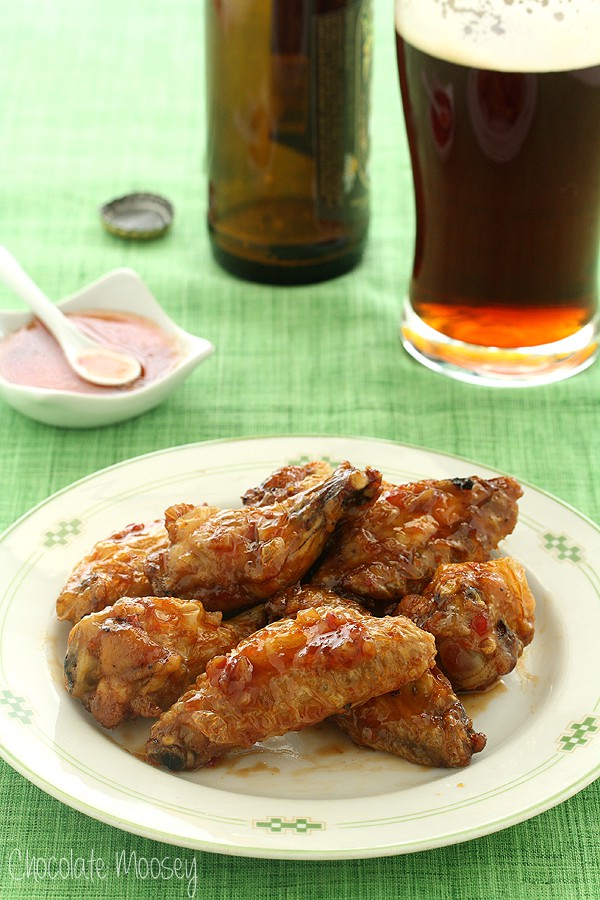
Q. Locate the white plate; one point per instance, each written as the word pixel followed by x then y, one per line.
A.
pixel 310 795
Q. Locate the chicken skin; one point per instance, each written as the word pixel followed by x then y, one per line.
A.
pixel 481 615
pixel 114 568
pixel 138 656
pixel 288 603
pixel 423 722
pixel 239 557
pixel 287 481
pixel 289 675
pixel 393 546
pixel 182 519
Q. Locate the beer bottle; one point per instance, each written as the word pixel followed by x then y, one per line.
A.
pixel 288 85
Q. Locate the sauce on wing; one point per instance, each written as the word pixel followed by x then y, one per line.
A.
pixel 325 638
pixel 31 356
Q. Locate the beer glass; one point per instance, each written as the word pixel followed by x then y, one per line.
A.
pixel 502 112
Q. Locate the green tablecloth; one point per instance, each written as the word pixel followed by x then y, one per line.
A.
pixel 102 98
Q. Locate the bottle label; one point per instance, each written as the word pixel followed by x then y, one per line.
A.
pixel 342 57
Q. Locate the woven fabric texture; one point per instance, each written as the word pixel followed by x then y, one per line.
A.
pixel 100 99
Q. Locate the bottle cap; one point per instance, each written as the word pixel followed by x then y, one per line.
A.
pixel 137 216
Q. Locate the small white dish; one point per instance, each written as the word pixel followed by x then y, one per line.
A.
pixel 121 290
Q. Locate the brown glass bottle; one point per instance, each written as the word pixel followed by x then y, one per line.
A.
pixel 288 85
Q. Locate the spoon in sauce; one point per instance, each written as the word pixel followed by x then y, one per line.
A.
pixel 92 361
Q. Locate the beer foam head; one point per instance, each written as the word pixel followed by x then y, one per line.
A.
pixel 507 35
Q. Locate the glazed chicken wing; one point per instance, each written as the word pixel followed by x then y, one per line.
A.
pixel 138 656
pixel 481 615
pixel 114 568
pixel 287 481
pixel 182 519
pixel 423 722
pixel 242 556
pixel 393 546
pixel 288 603
pixel 291 674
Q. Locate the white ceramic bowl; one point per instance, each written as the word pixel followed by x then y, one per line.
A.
pixel 122 291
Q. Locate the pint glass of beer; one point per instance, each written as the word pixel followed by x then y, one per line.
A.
pixel 502 111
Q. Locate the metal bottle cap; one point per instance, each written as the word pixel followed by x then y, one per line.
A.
pixel 137 216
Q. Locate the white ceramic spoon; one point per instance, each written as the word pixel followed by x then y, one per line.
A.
pixel 92 361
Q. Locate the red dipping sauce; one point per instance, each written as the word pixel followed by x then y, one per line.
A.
pixel 31 356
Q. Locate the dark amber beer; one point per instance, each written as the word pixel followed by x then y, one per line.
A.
pixel 288 84
pixel 502 113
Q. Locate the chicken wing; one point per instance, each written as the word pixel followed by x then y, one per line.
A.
pixel 242 556
pixel 287 603
pixel 114 568
pixel 393 546
pixel 286 482
pixel 138 656
pixel 291 674
pixel 423 722
pixel 181 519
pixel 481 615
